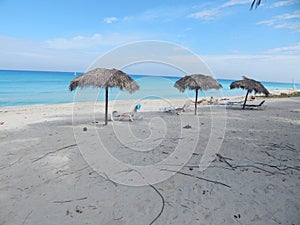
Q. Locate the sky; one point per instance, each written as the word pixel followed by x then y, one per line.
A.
pixel 62 35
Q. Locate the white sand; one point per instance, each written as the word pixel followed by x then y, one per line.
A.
pixel 45 179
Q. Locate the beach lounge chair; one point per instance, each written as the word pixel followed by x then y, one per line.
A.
pixel 116 116
pixel 137 107
pixel 128 116
pixel 255 106
pixel 212 101
pixel 232 103
pixel 177 110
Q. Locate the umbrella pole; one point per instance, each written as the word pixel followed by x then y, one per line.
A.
pixel 245 99
pixel 196 101
pixel 106 104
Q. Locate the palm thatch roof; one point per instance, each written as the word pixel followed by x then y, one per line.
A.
pixel 197 81
pixel 249 85
pixel 101 77
pixel 105 78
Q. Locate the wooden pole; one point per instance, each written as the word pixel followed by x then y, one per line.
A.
pixel 106 104
pixel 196 101
pixel 245 99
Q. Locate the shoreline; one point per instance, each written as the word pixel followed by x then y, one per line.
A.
pixel 273 93
pixel 15 117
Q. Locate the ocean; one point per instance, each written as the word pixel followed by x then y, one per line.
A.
pixel 42 87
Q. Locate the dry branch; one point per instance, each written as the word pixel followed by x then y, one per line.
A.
pixel 279 168
pixel 163 203
pixel 27 217
pixel 200 178
pixel 71 200
pixel 48 153
pixel 224 159
pixel 13 163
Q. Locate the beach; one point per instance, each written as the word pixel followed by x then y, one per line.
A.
pixel 48 177
pixel 150 113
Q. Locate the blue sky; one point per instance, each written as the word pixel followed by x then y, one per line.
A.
pixel 232 40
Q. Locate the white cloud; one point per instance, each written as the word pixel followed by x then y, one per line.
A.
pixel 93 42
pixel 188 29
pixel 267 22
pixel 283 3
pixel 235 2
pixel 163 14
pixel 278 64
pixel 292 26
pixel 289 21
pixel 62 54
pixel 32 55
pixel 205 14
pixel 277 67
pixel 293 49
pixel 210 14
pixel 110 19
pixel 294 15
pixel 77 42
pixel 128 18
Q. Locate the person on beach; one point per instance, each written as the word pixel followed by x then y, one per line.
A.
pixel 200 101
pixel 211 101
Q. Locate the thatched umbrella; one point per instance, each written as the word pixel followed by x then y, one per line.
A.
pixel 197 82
pixel 249 85
pixel 105 78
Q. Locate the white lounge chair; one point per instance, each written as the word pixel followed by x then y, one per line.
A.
pixel 177 110
pixel 128 116
pixel 231 103
pixel 116 116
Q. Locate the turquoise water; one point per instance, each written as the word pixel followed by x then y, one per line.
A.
pixel 41 87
